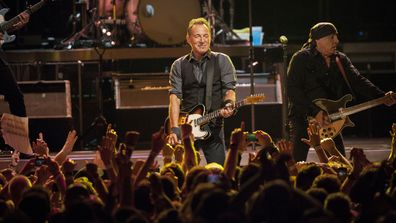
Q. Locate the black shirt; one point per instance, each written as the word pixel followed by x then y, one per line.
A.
pixel 309 78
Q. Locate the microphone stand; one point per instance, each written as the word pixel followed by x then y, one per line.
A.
pixel 251 62
pixel 283 78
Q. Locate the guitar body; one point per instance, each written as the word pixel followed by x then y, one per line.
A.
pixel 199 132
pixel 336 125
pixel 6 38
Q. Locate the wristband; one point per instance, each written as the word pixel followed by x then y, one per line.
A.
pixel 177 131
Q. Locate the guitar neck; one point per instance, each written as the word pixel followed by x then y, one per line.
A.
pixel 8 24
pixel 358 108
pixel 213 115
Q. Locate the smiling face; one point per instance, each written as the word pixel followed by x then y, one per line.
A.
pixel 327 45
pixel 198 38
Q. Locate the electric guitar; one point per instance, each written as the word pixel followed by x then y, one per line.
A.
pixel 5 26
pixel 198 120
pixel 338 113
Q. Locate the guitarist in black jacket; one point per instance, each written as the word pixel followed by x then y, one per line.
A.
pixel 316 71
pixel 8 85
pixel 202 77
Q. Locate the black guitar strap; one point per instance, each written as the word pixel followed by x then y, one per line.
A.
pixel 210 67
pixel 342 70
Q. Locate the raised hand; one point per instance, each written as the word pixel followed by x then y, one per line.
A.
pixel 186 130
pixel 263 138
pixel 40 147
pixel 67 147
pixel 70 141
pixel 238 138
pixel 313 135
pixel 42 174
pixel 392 154
pixel 157 141
pixel 107 147
pixel 167 153
pixel 179 152
pixel 123 157
pixel 285 146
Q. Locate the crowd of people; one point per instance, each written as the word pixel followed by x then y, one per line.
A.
pixel 272 187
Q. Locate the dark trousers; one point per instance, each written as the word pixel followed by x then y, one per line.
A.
pixel 298 130
pixel 213 147
pixel 9 88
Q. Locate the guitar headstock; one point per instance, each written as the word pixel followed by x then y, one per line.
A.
pixel 255 98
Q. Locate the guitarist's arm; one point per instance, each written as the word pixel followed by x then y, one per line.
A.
pixel 174 111
pixel 229 102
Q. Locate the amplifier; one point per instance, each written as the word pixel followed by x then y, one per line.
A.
pixel 134 91
pixel 44 99
pixel 264 83
pixel 151 90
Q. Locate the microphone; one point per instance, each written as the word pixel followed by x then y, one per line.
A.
pixel 283 39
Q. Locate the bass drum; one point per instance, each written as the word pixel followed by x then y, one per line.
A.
pixel 164 22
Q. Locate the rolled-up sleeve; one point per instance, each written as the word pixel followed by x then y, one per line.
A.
pixel 175 79
pixel 228 74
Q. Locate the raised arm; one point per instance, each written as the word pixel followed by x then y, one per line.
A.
pixel 67 147
pixel 107 151
pixel 238 143
pixel 157 143
pixel 392 154
pixel 190 156
pixel 328 145
pixel 314 141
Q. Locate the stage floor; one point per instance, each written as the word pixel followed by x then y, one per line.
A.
pixel 376 149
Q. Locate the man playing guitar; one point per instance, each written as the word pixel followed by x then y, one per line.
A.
pixel 319 71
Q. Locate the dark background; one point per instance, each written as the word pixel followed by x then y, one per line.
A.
pixel 357 20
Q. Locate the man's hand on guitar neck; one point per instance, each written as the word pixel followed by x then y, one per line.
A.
pixel 228 109
pixel 391 98
pixel 23 20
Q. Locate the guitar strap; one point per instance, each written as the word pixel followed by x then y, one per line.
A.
pixel 342 70
pixel 210 67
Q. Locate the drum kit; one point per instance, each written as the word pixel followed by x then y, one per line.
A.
pixel 141 22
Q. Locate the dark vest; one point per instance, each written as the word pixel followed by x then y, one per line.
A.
pixel 194 92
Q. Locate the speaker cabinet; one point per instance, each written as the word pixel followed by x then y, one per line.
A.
pixel 44 99
pixel 136 91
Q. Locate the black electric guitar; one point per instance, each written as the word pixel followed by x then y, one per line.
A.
pixel 197 118
pixel 338 113
pixel 5 26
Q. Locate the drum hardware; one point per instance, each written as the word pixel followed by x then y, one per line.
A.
pixel 219 29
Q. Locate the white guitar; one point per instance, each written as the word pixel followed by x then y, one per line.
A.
pixel 198 120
